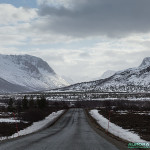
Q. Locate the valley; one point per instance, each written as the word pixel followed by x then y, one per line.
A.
pixel 35 101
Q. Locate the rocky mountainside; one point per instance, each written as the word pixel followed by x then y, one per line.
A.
pixel 27 73
pixel 131 80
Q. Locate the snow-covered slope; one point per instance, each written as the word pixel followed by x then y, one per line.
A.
pixel 27 73
pixel 107 74
pixel 68 79
pixel 132 80
pixel 6 87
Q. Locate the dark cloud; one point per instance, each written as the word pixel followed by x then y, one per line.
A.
pixel 114 18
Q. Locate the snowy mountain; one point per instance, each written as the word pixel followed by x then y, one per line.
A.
pixel 131 80
pixel 107 74
pixel 27 73
pixel 68 79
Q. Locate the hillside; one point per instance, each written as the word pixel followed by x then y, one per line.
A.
pixel 131 80
pixel 27 73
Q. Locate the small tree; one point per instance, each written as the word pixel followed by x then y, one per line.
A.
pixel 25 103
pixel 18 106
pixel 42 102
pixel 10 104
pixel 31 102
pixel 37 102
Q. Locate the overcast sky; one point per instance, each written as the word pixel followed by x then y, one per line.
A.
pixel 78 38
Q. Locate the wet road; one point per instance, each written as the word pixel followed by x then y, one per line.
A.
pixel 70 132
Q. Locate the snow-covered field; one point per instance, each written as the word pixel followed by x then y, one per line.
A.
pixel 36 126
pixel 114 129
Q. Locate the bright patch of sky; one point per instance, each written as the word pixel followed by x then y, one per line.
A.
pixel 21 3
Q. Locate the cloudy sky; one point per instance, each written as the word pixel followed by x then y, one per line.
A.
pixel 78 38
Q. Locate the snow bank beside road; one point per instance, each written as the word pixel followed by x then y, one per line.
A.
pixel 36 126
pixel 114 129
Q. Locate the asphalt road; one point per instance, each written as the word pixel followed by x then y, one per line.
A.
pixel 70 132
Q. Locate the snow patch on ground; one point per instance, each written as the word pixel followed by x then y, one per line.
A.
pixel 114 129
pixel 9 120
pixel 36 126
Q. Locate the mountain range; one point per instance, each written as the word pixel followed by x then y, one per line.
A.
pixel 129 80
pixel 25 73
pixel 20 73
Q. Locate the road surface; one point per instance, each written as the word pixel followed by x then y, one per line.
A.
pixel 70 132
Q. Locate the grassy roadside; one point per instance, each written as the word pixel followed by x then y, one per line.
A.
pixel 118 142
pixel 137 121
pixel 26 119
pixel 46 126
pixel 26 111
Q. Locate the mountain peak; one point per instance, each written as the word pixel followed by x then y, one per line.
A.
pixel 33 63
pixel 107 74
pixel 145 62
